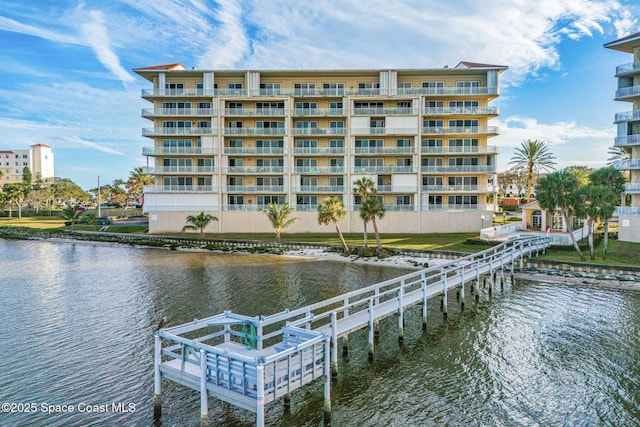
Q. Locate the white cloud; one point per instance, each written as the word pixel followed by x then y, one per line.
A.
pixel 96 33
pixel 513 130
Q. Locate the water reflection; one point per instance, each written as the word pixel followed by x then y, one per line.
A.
pixel 78 321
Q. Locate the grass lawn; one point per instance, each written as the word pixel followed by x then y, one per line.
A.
pixel 38 222
pixel 442 242
pixel 618 253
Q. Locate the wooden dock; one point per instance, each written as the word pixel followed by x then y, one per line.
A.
pixel 251 361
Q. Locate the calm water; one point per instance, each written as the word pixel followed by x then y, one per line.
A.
pixel 77 322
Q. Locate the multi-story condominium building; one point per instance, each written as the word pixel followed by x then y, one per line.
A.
pixel 39 160
pixel 628 136
pixel 231 142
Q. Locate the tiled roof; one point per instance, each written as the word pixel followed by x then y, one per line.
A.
pixel 41 145
pixel 478 65
pixel 168 67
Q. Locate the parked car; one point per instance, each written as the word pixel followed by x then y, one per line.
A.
pixel 80 208
pixel 103 221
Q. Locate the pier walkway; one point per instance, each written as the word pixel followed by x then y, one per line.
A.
pixel 252 361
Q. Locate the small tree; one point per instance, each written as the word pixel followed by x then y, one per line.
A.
pixel 364 188
pixel 199 222
pixel 559 190
pixel 70 213
pixel 14 193
pixel 615 180
pixel 331 211
pixel 371 209
pixel 279 215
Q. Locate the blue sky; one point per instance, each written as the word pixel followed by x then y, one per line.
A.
pixel 66 79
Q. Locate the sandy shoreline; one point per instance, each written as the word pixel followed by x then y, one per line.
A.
pixel 416 263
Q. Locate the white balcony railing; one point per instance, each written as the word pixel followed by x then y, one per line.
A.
pixel 317 131
pixel 147 189
pixel 319 112
pixel 319 169
pixel 463 130
pixel 397 188
pixel 404 111
pixel 392 207
pixel 253 189
pixel 318 150
pixel 253 150
pixel 459 169
pixel 176 131
pixel 454 188
pixel 460 150
pixel 627 164
pixel 319 189
pixel 178 207
pixel 633 188
pixel 466 111
pixel 335 92
pixel 385 150
pixel 306 208
pixel 626 211
pixel 157 170
pixel 627 116
pixel 627 68
pixel 156 112
pixel 268 112
pixel 255 131
pixel 627 141
pixel 384 169
pixel 627 92
pixel 163 151
pixel 253 169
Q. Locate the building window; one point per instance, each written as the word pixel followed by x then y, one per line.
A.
pixel 463 161
pixel 363 143
pixel 270 125
pixel 270 163
pixel 336 125
pixel 270 88
pixel 432 180
pixel 306 143
pixel 463 104
pixel 205 162
pixel 471 84
pixel 307 200
pixel 369 161
pixel 304 163
pixel 335 105
pixel 434 104
pixel 463 180
pixel 175 181
pixel 204 180
pixel 304 88
pixel 269 143
pixel 336 143
pixel 333 89
pixel 235 162
pixel 265 200
pixel 435 200
pixel 463 202
pixel 269 105
pixel 336 181
pixel 336 162
pixel 176 162
pixel 431 143
pixel 235 143
pixel 306 125
pixel 306 105
pixel 403 143
pixel 403 200
pixel 432 161
pixel 403 161
pixel 263 181
pixel 236 200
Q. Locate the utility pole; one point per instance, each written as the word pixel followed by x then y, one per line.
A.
pixel 99 213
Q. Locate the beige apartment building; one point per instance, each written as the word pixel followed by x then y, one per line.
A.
pixel 628 135
pixel 39 160
pixel 230 142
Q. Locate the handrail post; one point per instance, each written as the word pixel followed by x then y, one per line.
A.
pixel 423 282
pixel 334 344
pixel 204 409
pixel 157 383
pixel 401 312
pixel 371 327
pixel 462 288
pixel 260 395
pixel 443 279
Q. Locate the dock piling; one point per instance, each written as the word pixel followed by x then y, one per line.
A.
pixel 424 300
pixel 327 385
pixel 400 313
pixel 371 330
pixel 443 277
pixel 334 344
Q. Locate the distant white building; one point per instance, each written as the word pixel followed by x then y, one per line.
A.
pixel 39 160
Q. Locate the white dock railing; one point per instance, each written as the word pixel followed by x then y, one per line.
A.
pixel 251 361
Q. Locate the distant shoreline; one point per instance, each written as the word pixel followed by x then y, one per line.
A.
pixel 407 262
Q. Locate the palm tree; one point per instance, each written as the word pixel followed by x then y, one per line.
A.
pixel 559 191
pixel 370 209
pixel 199 222
pixel 279 217
pixel 533 154
pixel 594 206
pixel 332 211
pixel 136 182
pixel 364 188
pixel 617 154
pixel 70 213
pixel 615 180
